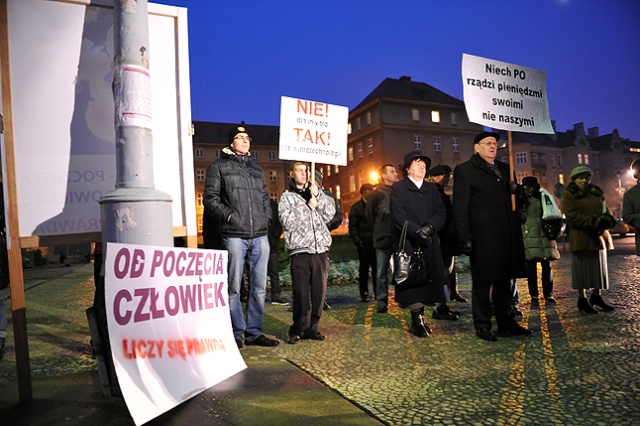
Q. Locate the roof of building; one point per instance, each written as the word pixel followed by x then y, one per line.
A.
pixel 405 89
pixel 209 133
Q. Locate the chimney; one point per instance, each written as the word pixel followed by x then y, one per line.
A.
pixel 405 78
pixel 594 132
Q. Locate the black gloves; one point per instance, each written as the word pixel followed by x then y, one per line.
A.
pixel 466 247
pixel 426 231
pixel 603 222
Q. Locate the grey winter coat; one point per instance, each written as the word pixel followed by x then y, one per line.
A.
pixel 305 229
pixel 536 245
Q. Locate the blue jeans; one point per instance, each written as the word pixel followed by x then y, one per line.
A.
pixel 383 256
pixel 258 251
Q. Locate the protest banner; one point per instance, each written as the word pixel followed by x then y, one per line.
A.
pixel 169 324
pixel 505 96
pixel 313 131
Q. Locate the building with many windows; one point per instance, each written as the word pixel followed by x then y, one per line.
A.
pixel 398 116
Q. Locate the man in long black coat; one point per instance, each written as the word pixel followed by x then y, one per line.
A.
pixel 489 231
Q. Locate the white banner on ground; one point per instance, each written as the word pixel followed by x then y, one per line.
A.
pixel 169 324
pixel 505 96
pixel 313 131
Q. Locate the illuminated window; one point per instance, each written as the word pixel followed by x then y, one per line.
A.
pixel 370 145
pixel 352 183
pixel 338 192
pixel 336 169
pixel 415 114
pixel 349 128
pixel 579 158
pixel 586 159
pixel 350 153
pixel 200 225
pixel 368 117
pixel 435 116
pixel 199 200
pixel 561 178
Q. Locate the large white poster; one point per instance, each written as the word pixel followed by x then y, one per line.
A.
pixel 313 131
pixel 169 324
pixel 505 96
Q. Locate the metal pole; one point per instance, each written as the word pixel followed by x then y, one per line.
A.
pixel 135 212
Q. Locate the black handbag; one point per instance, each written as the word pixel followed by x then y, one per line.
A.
pixel 553 228
pixel 409 270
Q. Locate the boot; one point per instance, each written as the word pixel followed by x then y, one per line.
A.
pixel 418 326
pixel 596 300
pixel 584 306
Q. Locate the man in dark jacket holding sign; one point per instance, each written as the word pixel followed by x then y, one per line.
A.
pixel 236 199
pixel 489 232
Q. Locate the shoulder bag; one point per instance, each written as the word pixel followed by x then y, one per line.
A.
pixel 409 270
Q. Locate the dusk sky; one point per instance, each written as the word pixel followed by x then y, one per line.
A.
pixel 245 55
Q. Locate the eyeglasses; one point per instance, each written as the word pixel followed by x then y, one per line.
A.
pixel 246 138
pixel 496 144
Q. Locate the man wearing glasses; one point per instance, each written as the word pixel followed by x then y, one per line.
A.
pixel 489 232
pixel 237 207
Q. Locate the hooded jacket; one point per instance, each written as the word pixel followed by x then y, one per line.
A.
pixel 236 201
pixel 305 229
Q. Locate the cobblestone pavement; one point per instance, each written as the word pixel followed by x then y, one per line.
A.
pixel 574 370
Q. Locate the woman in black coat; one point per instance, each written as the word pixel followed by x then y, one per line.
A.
pixel 419 204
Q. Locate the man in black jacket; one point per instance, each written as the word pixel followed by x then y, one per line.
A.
pixel 378 213
pixel 361 232
pixel 489 232
pixel 236 200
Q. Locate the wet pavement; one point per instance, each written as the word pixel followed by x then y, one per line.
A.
pixel 574 370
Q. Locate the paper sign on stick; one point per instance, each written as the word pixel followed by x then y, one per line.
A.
pixel 169 324
pixel 313 131
pixel 505 96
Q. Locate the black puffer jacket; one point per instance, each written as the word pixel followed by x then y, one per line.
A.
pixel 236 198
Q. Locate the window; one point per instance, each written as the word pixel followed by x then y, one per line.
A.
pixel 415 114
pixel 561 178
pixel 543 158
pixel 272 155
pixel 352 183
pixel 273 175
pixel 417 141
pixel 350 153
pixel 579 158
pixel 522 158
pixel 435 116
pixel 358 124
pixel 200 225
pixel 437 146
pixel 553 160
pixel 349 128
pixel 586 159
pixel 454 118
pixel 274 196
pixel 336 169
pixel 534 157
pixel 370 145
pixel 368 118
pixel 338 192
pixel 328 170
pixel 455 145
pixel 359 148
pixel 560 162
pixel 199 153
pixel 199 200
pixel 200 175
pixel 217 153
pixel 254 155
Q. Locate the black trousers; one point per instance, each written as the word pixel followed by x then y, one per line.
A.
pixel 272 273
pixel 482 293
pixel 547 278
pixel 309 274
pixel 367 259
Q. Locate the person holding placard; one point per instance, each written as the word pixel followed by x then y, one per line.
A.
pixel 236 198
pixel 304 213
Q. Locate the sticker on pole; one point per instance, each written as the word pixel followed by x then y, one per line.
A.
pixel 134 108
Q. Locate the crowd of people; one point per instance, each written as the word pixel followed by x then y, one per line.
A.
pixel 501 225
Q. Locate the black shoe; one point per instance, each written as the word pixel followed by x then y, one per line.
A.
pixel 364 298
pixel 486 334
pixel 239 343
pixel 444 315
pixel 515 312
pixel 277 299
pixel 263 340
pixel 381 309
pixel 458 298
pixel 584 306
pixel 326 306
pixel 313 335
pixel 514 330
pixel 535 304
pixel 418 326
pixel 292 339
pixel 596 300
